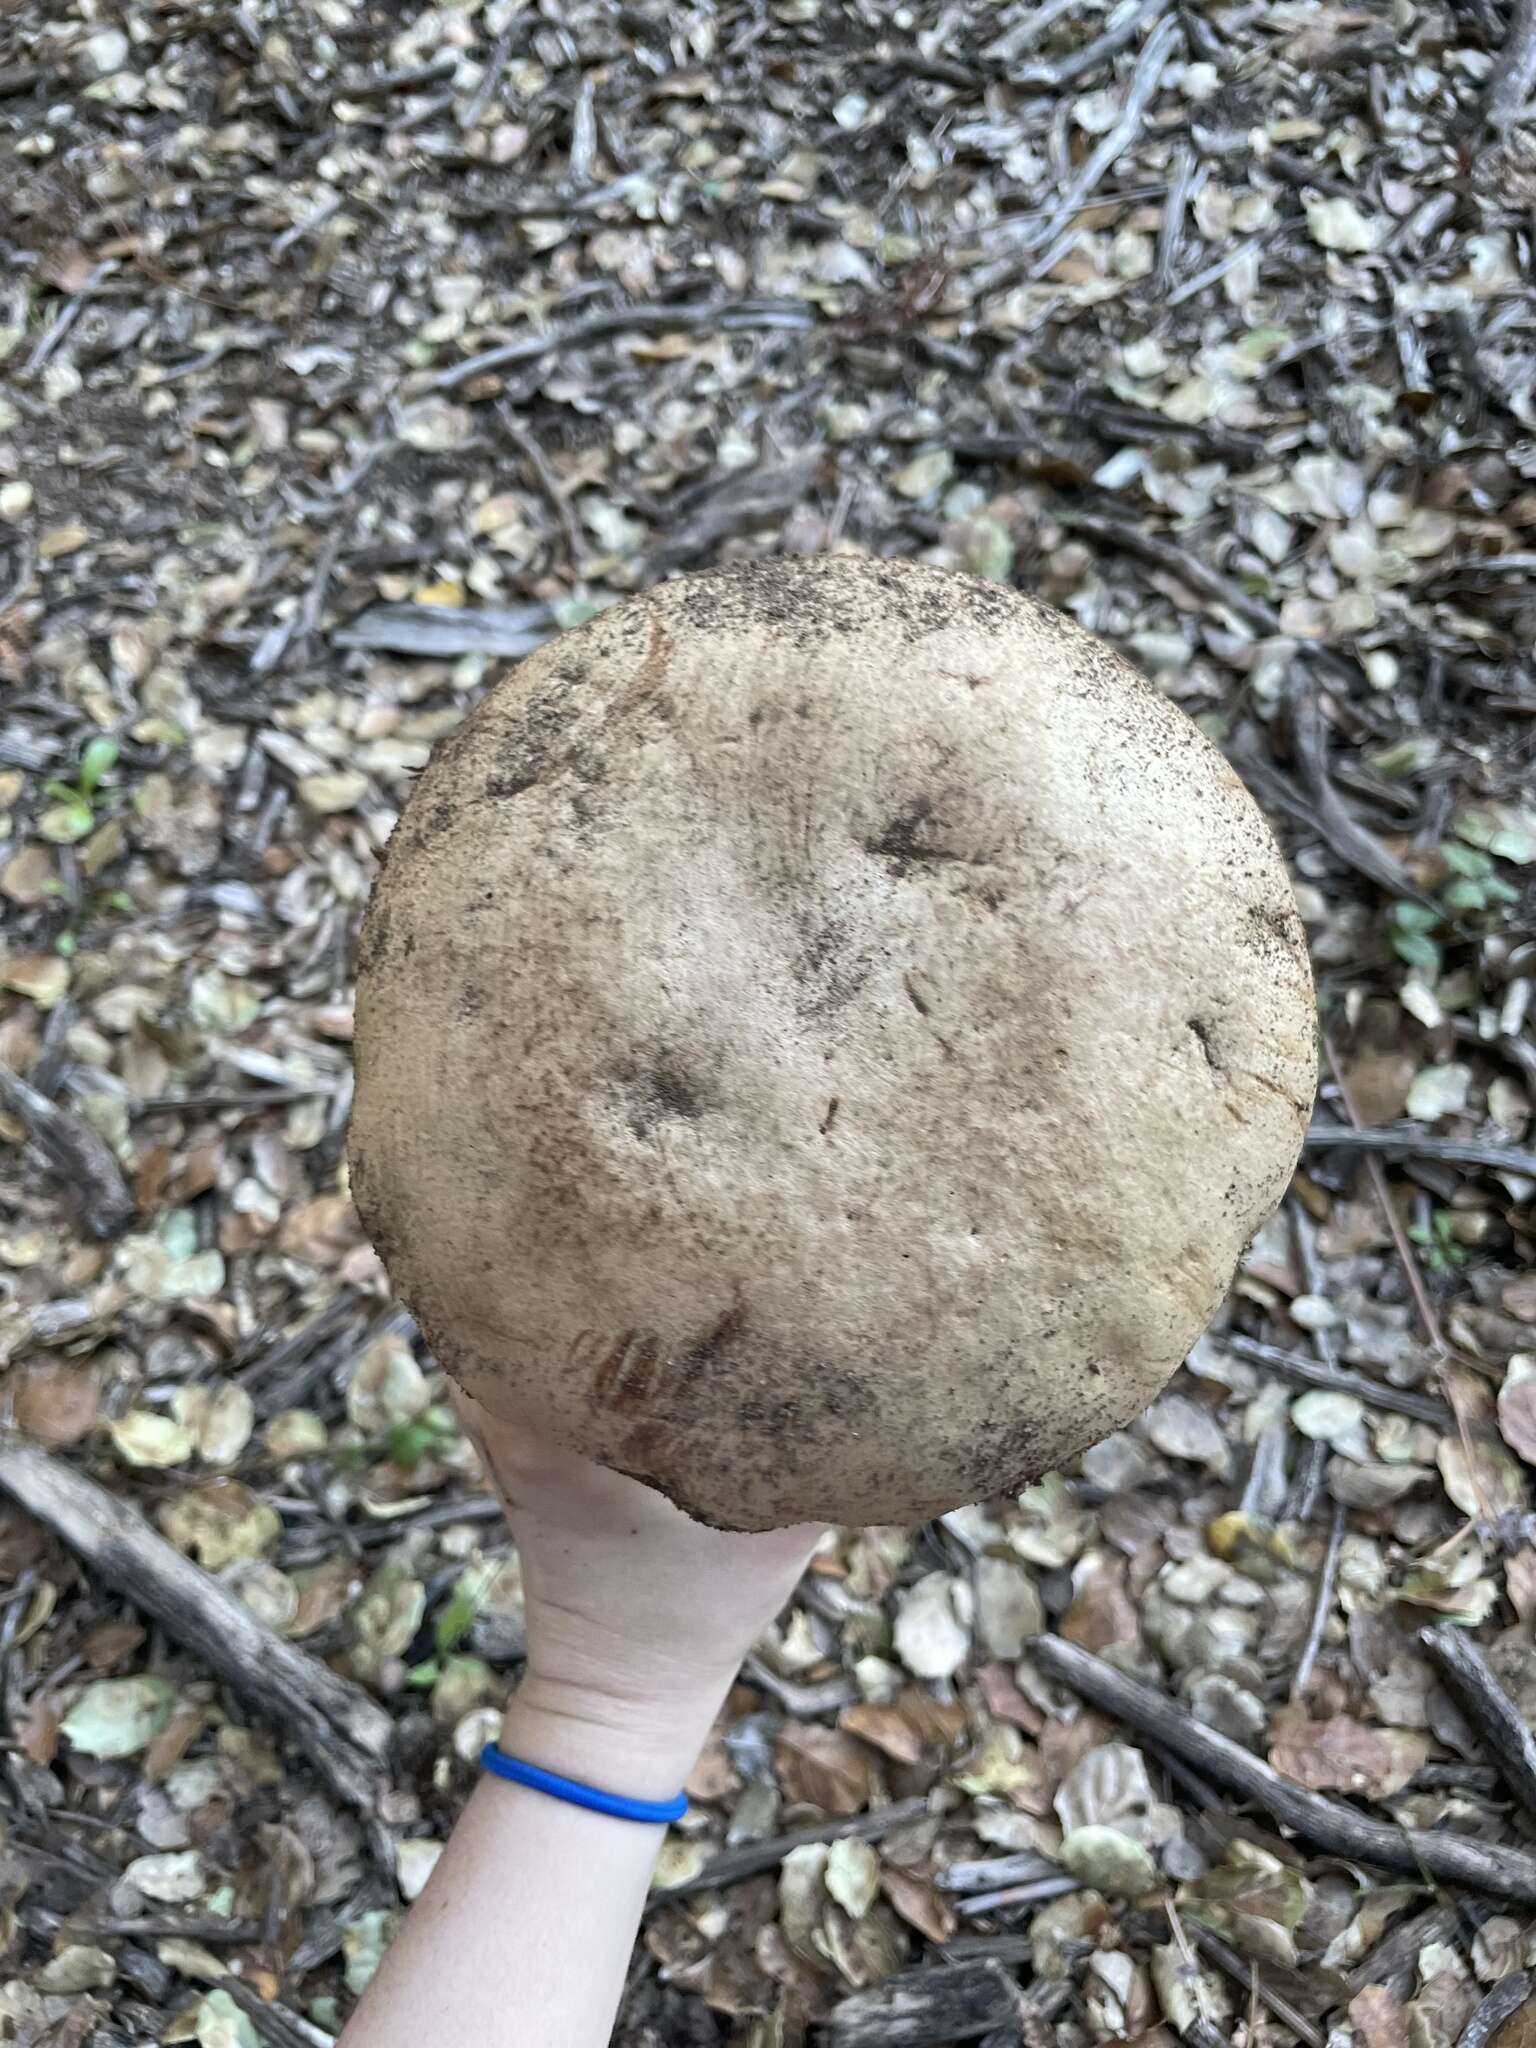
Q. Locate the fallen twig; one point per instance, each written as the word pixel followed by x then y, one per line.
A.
pixel 1513 78
pixel 1176 561
pixel 1213 272
pixel 1394 1961
pixel 1037 1892
pixel 1245 1972
pixel 752 498
pixel 490 80
pixel 802 1702
pixel 1339 1379
pixel 991 1871
pixel 288 637
pixel 262 1361
pixel 1170 233
pixel 1417 1143
pixel 1144 83
pixel 87 1926
pixel 1348 838
pixel 1501 2004
pixel 277 2024
pixel 1327 1578
pixel 724 315
pixel 218 1100
pixel 924 2007
pixel 382 85
pixel 1327 1824
pixel 1488 1706
pixel 293 1387
pixel 345 1734
pixel 526 444
pixel 432 629
pixel 1024 34
pixel 1091 55
pixel 76 1154
pixel 746 1860
pixel 1429 1321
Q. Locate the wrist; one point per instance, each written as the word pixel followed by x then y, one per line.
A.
pixel 641 1745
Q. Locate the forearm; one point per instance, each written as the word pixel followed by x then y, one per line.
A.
pixel 523 1935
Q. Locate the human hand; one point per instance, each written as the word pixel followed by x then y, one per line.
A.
pixel 638 1617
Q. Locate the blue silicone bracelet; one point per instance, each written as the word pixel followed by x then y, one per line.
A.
pixel 653 1812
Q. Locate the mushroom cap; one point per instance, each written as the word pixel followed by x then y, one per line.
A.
pixel 826 1030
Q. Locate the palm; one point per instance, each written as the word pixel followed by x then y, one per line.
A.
pixel 625 1591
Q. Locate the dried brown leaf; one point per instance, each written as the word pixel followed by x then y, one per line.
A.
pixel 1379 2018
pixel 1341 1754
pixel 825 1768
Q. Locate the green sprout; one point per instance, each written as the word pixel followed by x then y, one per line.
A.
pixel 454 1622
pixel 77 799
pixel 1477 888
pixel 411 1442
pixel 1475 893
pixel 1443 1253
pixel 1411 927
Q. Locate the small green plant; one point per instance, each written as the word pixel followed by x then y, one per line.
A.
pixel 1474 895
pixel 1442 1251
pixel 76 814
pixel 1411 927
pixel 1477 888
pixel 454 1622
pixel 410 1442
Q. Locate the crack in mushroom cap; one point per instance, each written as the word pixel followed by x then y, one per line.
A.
pixel 826 1030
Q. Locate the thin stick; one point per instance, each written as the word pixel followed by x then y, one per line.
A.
pixel 724 316
pixel 1348 838
pixel 1502 1872
pixel 1176 561
pixel 1433 1333
pixel 1486 1703
pixel 1327 1578
pixel 1213 272
pixel 1241 1971
pixel 1418 1143
pixel 288 636
pixel 1514 75
pixel 150 1927
pixel 1394 1961
pixel 346 1735
pixel 1091 55
pixel 1016 40
pixel 992 1871
pixel 75 1153
pixel 1339 1379
pixel 802 1702
pixel 1421 1301
pixel 731 1865
pixel 1170 234
pixel 525 444
pixel 490 79
pixel 1144 83
pixel 1501 2004
pixel 952 2001
pixel 1033 1894
pixel 1203 2033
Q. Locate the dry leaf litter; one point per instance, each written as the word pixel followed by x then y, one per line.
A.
pixel 349 352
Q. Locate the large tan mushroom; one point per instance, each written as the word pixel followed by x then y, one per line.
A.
pixel 826 1030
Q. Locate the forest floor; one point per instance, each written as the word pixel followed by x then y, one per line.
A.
pixel 346 353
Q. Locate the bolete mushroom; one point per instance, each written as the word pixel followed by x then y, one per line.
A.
pixel 826 1030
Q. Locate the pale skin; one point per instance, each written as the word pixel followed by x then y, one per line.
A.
pixel 638 1620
